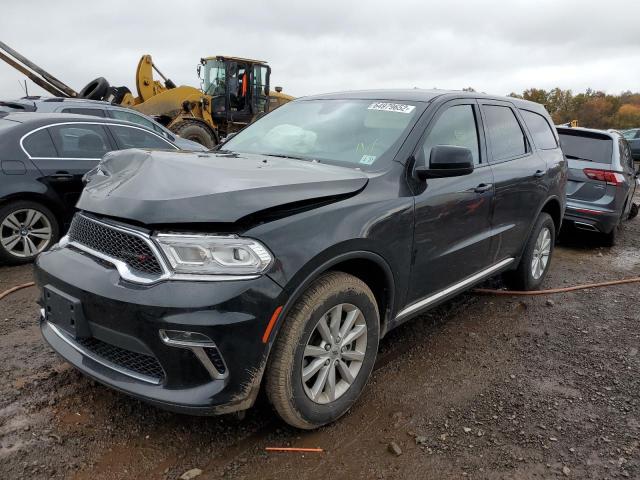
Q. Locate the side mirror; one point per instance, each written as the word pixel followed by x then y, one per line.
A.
pixel 446 161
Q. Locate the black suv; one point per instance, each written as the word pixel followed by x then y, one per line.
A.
pixel 286 255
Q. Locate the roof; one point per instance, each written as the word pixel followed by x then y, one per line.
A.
pixel 48 118
pixel 420 95
pixel 592 132
pixel 237 59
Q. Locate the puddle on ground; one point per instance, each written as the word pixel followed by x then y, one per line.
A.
pixel 626 259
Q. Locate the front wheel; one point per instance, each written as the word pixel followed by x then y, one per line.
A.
pixel 325 351
pixel 536 258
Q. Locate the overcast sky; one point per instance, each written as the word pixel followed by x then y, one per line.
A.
pixel 321 46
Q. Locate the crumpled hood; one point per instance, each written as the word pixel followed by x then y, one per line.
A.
pixel 155 187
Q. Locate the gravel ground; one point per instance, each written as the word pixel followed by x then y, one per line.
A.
pixel 482 387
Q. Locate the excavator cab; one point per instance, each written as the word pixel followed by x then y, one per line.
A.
pixel 239 89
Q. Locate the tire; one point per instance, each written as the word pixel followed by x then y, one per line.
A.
pixel 633 211
pixel 15 215
pixel 95 90
pixel 196 131
pixel 289 394
pixel 609 239
pixel 524 278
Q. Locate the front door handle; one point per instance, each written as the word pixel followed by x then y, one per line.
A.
pixel 62 175
pixel 539 174
pixel 483 187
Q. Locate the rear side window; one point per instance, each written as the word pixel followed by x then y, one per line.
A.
pixel 128 137
pixel 591 148
pixel 94 112
pixel 506 136
pixel 39 144
pixel 79 140
pixel 540 129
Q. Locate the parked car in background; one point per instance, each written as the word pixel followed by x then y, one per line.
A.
pixel 294 248
pixel 633 137
pixel 42 160
pixel 602 180
pixel 96 108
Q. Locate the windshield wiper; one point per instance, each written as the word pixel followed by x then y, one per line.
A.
pixel 281 155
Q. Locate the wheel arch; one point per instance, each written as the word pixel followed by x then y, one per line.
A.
pixel 57 209
pixel 553 207
pixel 368 266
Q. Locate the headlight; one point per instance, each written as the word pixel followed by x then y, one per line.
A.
pixel 214 254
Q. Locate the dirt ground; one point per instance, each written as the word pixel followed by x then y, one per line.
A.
pixel 482 387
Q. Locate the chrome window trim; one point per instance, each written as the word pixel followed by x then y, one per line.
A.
pixel 128 274
pixel 420 304
pixel 84 123
pixel 96 358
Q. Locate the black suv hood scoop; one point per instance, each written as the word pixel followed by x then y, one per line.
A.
pixel 156 187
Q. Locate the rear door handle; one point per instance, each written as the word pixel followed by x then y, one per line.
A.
pixel 483 187
pixel 539 174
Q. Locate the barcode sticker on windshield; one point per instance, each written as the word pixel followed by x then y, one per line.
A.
pixel 368 159
pixel 392 107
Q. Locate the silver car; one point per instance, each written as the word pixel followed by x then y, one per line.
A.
pixel 602 180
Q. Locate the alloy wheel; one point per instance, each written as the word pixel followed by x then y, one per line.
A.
pixel 26 232
pixel 541 252
pixel 334 353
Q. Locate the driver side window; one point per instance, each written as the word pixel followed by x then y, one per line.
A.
pixel 456 127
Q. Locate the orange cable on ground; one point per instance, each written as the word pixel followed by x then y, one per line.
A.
pixel 15 289
pixel 294 449
pixel 487 291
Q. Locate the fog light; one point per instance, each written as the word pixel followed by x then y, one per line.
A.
pixel 179 338
pixel 202 347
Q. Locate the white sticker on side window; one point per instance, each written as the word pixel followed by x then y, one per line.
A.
pixel 392 107
pixel 368 159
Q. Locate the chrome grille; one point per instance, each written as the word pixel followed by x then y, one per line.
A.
pixel 117 244
pixel 136 362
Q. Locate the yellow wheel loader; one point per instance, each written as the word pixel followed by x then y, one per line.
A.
pixel 234 92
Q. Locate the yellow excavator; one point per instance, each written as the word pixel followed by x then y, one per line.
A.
pixel 234 92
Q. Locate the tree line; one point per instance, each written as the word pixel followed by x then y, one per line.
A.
pixel 592 109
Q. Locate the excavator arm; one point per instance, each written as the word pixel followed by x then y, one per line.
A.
pixel 36 74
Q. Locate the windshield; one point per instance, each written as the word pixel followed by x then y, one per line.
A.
pixel 629 134
pixel 214 78
pixel 354 133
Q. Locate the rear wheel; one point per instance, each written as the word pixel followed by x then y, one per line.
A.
pixel 536 258
pixel 609 239
pixel 26 229
pixel 196 132
pixel 325 351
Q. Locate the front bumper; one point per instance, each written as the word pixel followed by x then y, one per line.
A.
pixel 586 217
pixel 121 346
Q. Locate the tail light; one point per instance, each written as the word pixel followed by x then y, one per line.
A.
pixel 612 178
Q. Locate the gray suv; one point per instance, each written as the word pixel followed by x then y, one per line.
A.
pixel 633 137
pixel 97 109
pixel 602 180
